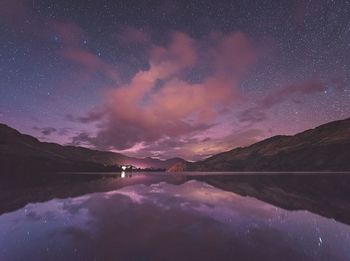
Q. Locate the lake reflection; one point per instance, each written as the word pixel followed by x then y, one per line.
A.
pixel 191 221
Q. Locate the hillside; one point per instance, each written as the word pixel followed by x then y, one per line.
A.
pixel 20 152
pixel 326 147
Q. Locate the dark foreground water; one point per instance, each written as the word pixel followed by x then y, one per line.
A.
pixel 157 217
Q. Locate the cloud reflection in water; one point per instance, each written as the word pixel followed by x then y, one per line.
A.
pixel 168 222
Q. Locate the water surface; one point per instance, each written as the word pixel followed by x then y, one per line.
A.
pixel 158 217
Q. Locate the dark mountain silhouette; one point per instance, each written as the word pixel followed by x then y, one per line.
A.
pixel 24 153
pixel 325 148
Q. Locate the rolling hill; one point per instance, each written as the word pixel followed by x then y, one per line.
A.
pixel 20 152
pixel 324 148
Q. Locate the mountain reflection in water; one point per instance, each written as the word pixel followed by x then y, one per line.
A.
pixel 190 220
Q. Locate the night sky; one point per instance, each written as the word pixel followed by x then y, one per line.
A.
pixel 172 78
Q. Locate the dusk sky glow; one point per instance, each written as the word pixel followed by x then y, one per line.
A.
pixel 172 78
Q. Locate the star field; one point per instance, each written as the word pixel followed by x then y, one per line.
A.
pixel 172 78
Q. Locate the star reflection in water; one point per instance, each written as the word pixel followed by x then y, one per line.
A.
pixel 168 222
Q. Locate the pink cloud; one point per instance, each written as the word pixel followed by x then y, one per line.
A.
pixel 133 35
pixel 84 58
pixel 180 54
pixel 14 10
pixel 179 99
pixel 258 113
pixel 308 87
pixel 89 63
pixel 197 148
pixel 160 103
pixel 69 33
pixel 19 12
pixel 234 55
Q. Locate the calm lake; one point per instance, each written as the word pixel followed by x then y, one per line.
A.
pixel 159 216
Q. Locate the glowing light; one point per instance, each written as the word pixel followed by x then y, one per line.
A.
pixel 123 175
pixel 320 241
pixel 123 167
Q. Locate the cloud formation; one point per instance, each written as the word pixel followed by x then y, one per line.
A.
pixel 257 113
pixel 46 131
pixel 161 108
pixel 132 35
pixel 160 103
pixel 198 148
pixel 15 11
pixel 67 37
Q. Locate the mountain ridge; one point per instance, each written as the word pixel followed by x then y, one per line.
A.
pixel 323 148
pixel 16 148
